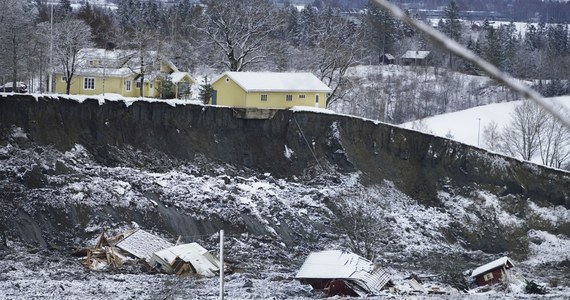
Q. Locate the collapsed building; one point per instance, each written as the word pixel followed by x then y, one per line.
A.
pixel 336 272
pixel 494 272
pixel 140 246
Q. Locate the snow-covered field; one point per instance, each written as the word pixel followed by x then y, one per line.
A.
pixel 467 126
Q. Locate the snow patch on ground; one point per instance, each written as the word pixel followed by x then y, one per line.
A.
pixel 547 248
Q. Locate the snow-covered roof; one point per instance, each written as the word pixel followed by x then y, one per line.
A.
pixel 99 53
pixel 107 72
pixel 277 82
pixel 178 76
pixel 202 261
pixel 503 261
pixel 121 63
pixel 143 244
pixel 414 54
pixel 336 264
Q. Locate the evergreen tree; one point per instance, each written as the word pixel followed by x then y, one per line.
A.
pixel 308 26
pixel 380 29
pixel 293 26
pixel 64 10
pixel 493 51
pixel 510 44
pixel 206 91
pixel 452 25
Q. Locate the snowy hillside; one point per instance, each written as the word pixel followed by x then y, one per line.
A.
pixel 467 126
pixel 396 94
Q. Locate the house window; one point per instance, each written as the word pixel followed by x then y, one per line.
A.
pixel 488 276
pixel 263 97
pixel 64 78
pixel 227 79
pixel 289 97
pixel 138 84
pixel 89 83
pixel 301 96
pixel 128 85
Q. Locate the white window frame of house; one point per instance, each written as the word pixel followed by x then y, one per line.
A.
pixel 89 83
pixel 264 97
pixel 302 96
pixel 488 276
pixel 288 97
pixel 128 85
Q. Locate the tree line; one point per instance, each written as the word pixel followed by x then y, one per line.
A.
pixel 258 35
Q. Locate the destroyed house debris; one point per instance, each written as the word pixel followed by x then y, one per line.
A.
pixel 142 244
pixel 493 272
pixel 186 258
pixel 104 254
pixel 337 272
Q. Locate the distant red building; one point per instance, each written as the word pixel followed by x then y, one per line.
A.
pixel 493 272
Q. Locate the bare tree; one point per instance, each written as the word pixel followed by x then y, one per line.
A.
pixel 492 136
pixel 361 220
pixel 15 27
pixel 146 49
pixel 521 138
pixel 337 48
pixel 554 143
pixel 241 30
pixel 69 37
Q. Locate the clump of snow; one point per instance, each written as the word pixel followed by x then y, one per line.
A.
pixel 554 215
pixel 18 132
pixel 288 152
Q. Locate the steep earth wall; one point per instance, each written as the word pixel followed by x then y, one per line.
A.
pixel 291 144
pixel 418 163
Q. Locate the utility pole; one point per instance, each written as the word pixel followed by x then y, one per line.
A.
pixel 222 264
pixel 50 79
pixel 478 131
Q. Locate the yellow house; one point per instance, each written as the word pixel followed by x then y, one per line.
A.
pixel 101 71
pixel 269 90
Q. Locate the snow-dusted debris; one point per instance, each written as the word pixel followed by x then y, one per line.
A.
pixel 185 258
pixel 361 276
pixel 501 262
pixel 143 244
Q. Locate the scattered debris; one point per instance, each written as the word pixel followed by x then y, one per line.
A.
pixel 104 254
pixel 494 272
pixel 534 288
pixel 342 273
pixel 186 258
pixel 141 246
